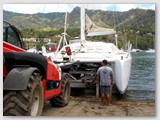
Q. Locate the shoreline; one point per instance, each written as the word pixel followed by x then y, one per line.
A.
pixel 79 106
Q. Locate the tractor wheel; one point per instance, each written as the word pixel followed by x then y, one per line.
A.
pixel 63 98
pixel 28 102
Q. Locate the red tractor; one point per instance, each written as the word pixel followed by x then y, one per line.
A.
pixel 29 78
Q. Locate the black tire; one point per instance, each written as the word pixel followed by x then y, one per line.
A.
pixel 28 102
pixel 63 98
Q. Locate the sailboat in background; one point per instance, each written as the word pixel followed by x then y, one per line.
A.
pixel 136 49
pixel 150 50
pixel 90 54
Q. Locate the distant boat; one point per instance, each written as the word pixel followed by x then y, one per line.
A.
pixel 150 50
pixel 136 50
pixel 34 50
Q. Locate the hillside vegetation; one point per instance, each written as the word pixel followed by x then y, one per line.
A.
pixel 48 25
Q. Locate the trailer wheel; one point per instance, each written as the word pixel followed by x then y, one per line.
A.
pixel 63 98
pixel 28 102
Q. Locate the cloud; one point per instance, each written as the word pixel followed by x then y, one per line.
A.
pixel 45 8
pixel 35 8
pixel 126 7
pixel 58 7
pixel 97 6
pixel 148 6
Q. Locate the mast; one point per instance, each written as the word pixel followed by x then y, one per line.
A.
pixel 65 28
pixel 63 40
pixel 136 38
pixel 116 39
pixel 82 18
pixel 114 26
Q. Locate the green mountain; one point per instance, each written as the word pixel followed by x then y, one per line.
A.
pixel 135 19
pixel 126 23
pixel 38 20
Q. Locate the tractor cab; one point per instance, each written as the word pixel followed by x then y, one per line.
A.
pixel 12 35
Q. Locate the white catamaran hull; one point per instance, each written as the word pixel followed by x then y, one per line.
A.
pixel 122 73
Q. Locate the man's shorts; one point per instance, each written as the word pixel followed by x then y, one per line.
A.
pixel 105 90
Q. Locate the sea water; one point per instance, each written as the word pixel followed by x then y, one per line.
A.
pixel 142 78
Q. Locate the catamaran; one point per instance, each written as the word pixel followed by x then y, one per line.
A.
pixel 81 58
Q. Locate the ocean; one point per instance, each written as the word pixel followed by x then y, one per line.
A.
pixel 142 78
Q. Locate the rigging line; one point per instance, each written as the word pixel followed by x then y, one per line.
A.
pixel 44 7
pixel 41 25
pixel 114 17
pixel 121 27
pixel 54 30
pixel 117 19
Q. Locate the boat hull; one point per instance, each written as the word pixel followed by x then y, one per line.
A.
pixel 122 73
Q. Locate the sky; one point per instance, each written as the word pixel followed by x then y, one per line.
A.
pixel 46 8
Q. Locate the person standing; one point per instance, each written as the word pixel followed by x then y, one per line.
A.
pixel 105 79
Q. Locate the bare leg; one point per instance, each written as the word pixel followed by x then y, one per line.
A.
pixel 111 93
pixel 108 99
pixel 102 99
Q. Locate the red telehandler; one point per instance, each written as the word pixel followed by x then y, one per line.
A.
pixel 29 78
